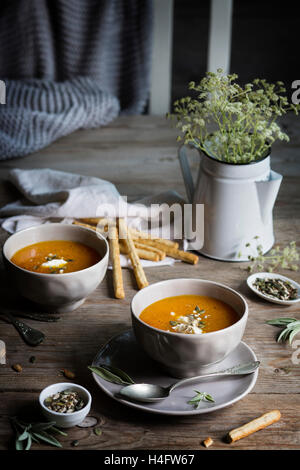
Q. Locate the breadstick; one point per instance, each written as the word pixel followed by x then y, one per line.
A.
pixel 173 252
pixel 135 261
pixel 91 227
pixel 142 254
pixel 115 258
pixel 2 352
pixel 91 220
pixel 255 425
pixel 142 246
pixel 96 220
pixel 136 234
pixel 185 256
pixel 143 237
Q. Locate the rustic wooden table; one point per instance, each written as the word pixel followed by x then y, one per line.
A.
pixel 138 154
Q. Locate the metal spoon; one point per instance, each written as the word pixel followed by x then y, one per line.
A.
pixel 154 393
pixel 30 335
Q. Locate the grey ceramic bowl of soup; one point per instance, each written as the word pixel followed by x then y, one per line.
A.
pixel 188 324
pixel 56 265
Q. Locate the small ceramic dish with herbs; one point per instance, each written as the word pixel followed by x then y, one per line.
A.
pixel 275 288
pixel 66 404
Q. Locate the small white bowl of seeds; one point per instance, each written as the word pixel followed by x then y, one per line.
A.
pixel 66 404
pixel 275 288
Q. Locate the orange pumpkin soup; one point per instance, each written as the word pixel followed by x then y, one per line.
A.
pixel 189 314
pixel 56 257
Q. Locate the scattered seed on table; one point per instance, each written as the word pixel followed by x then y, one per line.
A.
pixel 17 367
pixel 74 443
pixel 68 374
pixel 32 359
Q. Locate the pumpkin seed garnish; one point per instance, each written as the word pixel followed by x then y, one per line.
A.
pixel 189 324
pixel 98 431
pixel 276 288
pixel 67 401
pixel 68 374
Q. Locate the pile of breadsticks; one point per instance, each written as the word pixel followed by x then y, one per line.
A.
pixel 136 245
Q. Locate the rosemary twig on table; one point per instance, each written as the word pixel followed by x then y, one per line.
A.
pixel 291 326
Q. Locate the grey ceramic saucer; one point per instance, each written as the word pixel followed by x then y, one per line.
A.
pixel 122 351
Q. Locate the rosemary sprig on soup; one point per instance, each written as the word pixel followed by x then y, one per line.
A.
pixel 56 257
pixel 189 314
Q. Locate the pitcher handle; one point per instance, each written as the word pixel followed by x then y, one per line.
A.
pixel 186 173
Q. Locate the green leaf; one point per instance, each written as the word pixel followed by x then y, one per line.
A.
pixel 58 431
pixel 109 376
pixel 29 442
pixel 292 328
pixel 281 321
pixel 295 331
pixel 43 436
pixel 120 373
pixel 23 436
pixel 19 445
pixel 209 398
pixel 37 427
pixel 201 396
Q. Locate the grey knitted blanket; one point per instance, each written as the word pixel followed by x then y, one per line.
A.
pixel 69 64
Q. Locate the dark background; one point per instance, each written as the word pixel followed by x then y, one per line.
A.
pixel 265 41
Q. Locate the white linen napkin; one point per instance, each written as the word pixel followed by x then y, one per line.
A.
pixel 52 194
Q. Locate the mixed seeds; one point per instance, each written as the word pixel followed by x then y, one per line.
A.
pixel 189 324
pixel 67 401
pixel 55 264
pixel 276 288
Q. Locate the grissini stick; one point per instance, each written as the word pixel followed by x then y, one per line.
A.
pixel 259 423
pixel 142 246
pixel 142 254
pixel 134 258
pixel 116 264
pixel 136 234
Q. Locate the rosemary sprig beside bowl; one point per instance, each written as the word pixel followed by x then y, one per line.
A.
pixel 291 327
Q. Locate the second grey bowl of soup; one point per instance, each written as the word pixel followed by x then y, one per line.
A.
pixel 56 292
pixel 187 355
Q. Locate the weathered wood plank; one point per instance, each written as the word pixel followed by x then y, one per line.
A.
pixel 125 428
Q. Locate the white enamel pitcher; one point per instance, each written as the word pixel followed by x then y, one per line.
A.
pixel 238 202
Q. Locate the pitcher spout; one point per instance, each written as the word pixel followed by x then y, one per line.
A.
pixel 267 192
